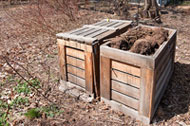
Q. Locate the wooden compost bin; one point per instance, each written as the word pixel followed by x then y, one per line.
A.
pixel 134 83
pixel 78 52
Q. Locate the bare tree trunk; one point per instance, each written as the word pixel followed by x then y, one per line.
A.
pixel 150 9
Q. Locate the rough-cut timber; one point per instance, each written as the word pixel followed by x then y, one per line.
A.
pixel 79 53
pixel 134 83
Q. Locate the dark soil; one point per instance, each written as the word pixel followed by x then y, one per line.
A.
pixel 140 40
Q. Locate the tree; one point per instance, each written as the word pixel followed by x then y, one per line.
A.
pixel 151 9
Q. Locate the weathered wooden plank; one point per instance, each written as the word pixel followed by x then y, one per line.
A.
pixel 126 56
pixel 102 24
pixel 115 20
pixel 168 50
pixel 124 26
pixel 126 110
pixel 85 31
pixel 105 35
pixel 125 78
pixel 76 71
pixel 117 25
pixel 159 54
pixel 110 23
pixel 77 45
pixel 126 68
pixel 99 28
pixel 62 61
pixel 147 90
pixel 125 89
pixel 93 35
pixel 77 30
pixel 162 66
pixel 75 53
pixel 128 101
pixel 105 77
pixel 99 23
pixel 78 38
pixel 75 62
pixel 76 80
pixel 163 77
pixel 161 92
pixel 92 31
pixel 89 71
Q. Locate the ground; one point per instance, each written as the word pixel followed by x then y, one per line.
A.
pixel 32 51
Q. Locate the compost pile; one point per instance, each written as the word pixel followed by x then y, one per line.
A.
pixel 140 40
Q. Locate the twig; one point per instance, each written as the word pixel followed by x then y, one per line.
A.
pixel 6 59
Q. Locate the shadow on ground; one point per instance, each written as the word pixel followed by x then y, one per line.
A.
pixel 176 99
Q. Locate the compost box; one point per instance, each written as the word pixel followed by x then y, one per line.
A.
pixel 134 83
pixel 78 52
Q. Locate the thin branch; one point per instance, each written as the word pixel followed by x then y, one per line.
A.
pixel 28 82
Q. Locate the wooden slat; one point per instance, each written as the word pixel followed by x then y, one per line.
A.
pixel 85 31
pixel 161 52
pixel 91 32
pixel 76 71
pixel 125 89
pixel 126 68
pixel 89 71
pixel 160 70
pixel 75 53
pixel 78 30
pixel 99 23
pixel 62 59
pixel 164 76
pixel 100 27
pixel 105 77
pixel 126 56
pixel 111 23
pixel 75 62
pixel 162 63
pixel 124 26
pixel 117 25
pixel 115 20
pixel 160 93
pixel 76 37
pixel 105 35
pixel 104 24
pixel 128 101
pixel 126 110
pixel 93 35
pixel 125 78
pixel 147 90
pixel 76 80
pixel 77 45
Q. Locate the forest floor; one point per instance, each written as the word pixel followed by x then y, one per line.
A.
pixel 31 49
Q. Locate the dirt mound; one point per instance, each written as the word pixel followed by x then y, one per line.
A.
pixel 140 40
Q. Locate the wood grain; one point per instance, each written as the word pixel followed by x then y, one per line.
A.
pixel 126 110
pixel 125 78
pixel 163 78
pixel 77 45
pixel 126 68
pixel 76 71
pixel 125 56
pixel 89 72
pixel 128 101
pixel 147 90
pixel 76 80
pixel 105 77
pixel 75 53
pixel 75 62
pixel 61 59
pixel 125 89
